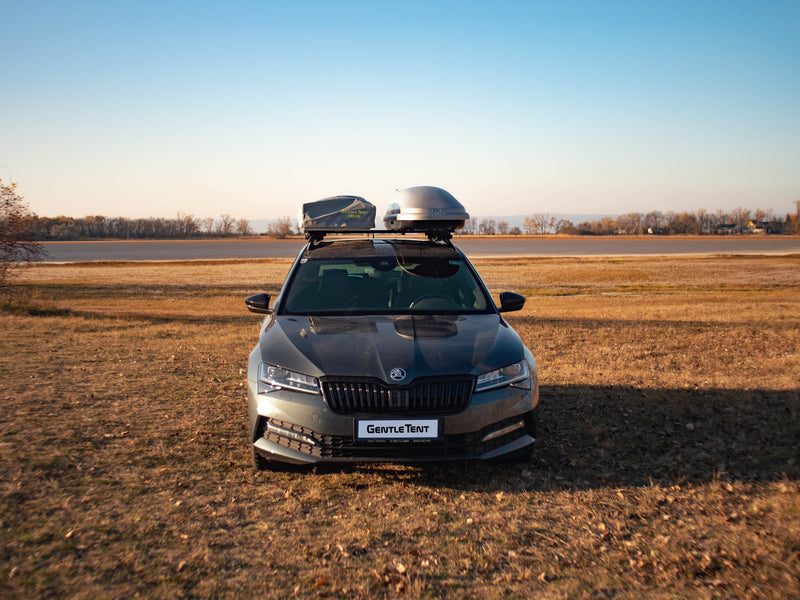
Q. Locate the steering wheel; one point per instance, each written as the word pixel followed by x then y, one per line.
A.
pixel 430 301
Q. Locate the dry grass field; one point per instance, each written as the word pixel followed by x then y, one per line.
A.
pixel 668 463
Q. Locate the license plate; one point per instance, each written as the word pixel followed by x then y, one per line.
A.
pixel 397 429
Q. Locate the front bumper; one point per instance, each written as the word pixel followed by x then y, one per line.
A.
pixel 300 428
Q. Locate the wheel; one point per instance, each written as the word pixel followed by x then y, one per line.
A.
pixel 259 462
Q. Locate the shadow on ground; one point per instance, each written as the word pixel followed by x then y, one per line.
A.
pixel 609 437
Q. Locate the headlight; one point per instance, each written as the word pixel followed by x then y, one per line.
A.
pixel 502 377
pixel 271 378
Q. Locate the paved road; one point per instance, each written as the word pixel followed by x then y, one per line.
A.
pixel 499 246
pixel 171 250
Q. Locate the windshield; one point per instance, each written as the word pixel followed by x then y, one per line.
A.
pixel 396 283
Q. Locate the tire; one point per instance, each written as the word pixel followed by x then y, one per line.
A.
pixel 259 462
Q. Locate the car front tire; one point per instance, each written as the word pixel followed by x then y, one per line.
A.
pixel 259 462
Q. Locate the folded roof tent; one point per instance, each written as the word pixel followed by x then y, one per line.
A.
pixel 338 213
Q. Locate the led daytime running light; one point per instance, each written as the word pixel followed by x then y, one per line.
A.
pixel 278 378
pixel 502 377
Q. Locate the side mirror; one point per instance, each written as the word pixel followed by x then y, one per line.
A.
pixel 509 301
pixel 258 303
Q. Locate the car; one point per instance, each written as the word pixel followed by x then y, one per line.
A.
pixel 386 346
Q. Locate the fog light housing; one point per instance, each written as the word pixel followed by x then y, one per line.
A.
pixel 493 435
pixel 288 433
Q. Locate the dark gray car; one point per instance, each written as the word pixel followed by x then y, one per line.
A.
pixel 384 349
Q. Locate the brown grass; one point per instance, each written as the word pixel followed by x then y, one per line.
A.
pixel 667 464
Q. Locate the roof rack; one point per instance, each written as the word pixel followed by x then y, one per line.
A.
pixel 315 236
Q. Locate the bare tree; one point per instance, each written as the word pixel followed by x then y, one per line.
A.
pixel 529 226
pixel 487 227
pixel 761 216
pixel 604 226
pixel 468 228
pixel 741 216
pixel 18 243
pixel 225 225
pixel 630 223
pixel 683 223
pixel 704 220
pixel 281 228
pixel 187 225
pixel 566 227
pixel 243 227
pixel 502 227
pixel 539 224
pixel 208 225
pixel 654 222
pixel 793 221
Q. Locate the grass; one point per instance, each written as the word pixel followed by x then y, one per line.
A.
pixel 667 464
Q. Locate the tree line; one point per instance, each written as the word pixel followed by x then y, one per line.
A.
pixel 700 222
pixel 185 226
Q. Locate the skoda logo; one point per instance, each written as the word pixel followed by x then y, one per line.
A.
pixel 397 374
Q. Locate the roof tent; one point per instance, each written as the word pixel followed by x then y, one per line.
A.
pixel 338 213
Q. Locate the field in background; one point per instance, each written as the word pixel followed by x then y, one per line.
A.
pixel 667 464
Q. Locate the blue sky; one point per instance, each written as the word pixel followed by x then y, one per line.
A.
pixel 150 108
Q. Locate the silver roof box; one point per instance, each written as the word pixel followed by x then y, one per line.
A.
pixel 424 209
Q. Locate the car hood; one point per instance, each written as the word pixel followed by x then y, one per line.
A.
pixel 371 346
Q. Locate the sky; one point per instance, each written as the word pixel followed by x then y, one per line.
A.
pixel 148 108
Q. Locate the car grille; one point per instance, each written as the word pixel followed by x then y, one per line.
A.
pixel 439 396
